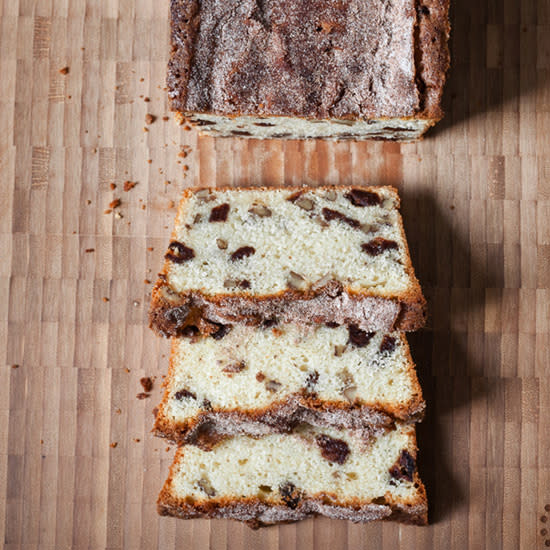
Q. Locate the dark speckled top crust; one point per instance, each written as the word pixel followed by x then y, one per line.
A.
pixel 309 58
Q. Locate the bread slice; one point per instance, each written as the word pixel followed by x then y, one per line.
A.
pixel 303 255
pixel 352 69
pixel 263 380
pixel 286 477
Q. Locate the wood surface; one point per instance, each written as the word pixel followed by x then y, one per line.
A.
pixel 476 203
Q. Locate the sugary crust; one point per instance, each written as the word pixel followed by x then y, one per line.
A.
pixel 432 55
pixel 431 62
pixel 171 313
pixel 282 416
pixel 258 512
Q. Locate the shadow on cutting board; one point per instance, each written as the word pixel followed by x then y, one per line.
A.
pixel 451 367
pixel 494 55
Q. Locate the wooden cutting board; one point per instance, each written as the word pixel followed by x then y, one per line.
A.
pixel 78 466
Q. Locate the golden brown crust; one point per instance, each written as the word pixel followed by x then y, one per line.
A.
pixel 272 510
pixel 171 313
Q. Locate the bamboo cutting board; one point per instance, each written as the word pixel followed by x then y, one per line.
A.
pixel 78 466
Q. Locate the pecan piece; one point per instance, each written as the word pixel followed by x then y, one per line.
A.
pixel 234 368
pixel 206 486
pixel 261 211
pixel 179 253
pixel 304 203
pixel 272 385
pixel 296 281
pixel 333 450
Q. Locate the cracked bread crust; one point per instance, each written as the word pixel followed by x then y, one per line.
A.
pixel 172 312
pixel 343 60
pixel 283 415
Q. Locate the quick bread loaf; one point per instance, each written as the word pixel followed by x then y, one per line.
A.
pixel 352 69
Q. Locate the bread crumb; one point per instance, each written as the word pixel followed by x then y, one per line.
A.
pixel 118 215
pixel 147 281
pixel 15 366
pixel 64 70
pixel 88 202
pixel 108 211
pixel 149 118
pixel 150 248
pixel 137 439
pixel 112 186
pixel 167 182
pixel 118 411
pixel 129 185
pixel 146 383
pixel 150 161
pixel 126 369
pixel 165 118
pixel 115 203
pixel 88 250
pixel 136 303
pixel 114 445
pixel 105 299
pixel 143 395
pixel 146 99
pixel 167 449
pixel 143 206
pixel 187 128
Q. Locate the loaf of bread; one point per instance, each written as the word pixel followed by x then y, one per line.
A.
pixel 351 69
pixel 256 381
pixel 286 477
pixel 290 255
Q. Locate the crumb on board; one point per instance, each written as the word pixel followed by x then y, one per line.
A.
pixel 143 395
pixel 114 445
pixel 149 118
pixel 115 203
pixel 128 185
pixel 64 70
pixel 112 186
pixel 88 250
pixel 105 299
pixel 146 383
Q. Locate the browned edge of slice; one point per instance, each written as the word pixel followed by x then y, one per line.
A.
pixel 171 312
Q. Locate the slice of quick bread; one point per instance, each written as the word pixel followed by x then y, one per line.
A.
pixel 286 477
pixel 253 380
pixel 302 255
